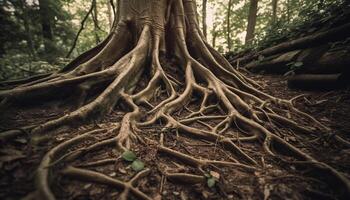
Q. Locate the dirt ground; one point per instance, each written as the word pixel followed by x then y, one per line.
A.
pixel 19 159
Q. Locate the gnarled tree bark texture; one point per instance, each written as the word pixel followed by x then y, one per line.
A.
pixel 228 25
pixel 195 93
pixel 204 18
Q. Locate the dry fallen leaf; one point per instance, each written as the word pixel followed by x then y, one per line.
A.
pixel 320 102
pixel 214 174
pixel 113 174
pixel 205 194
pixel 121 170
pixel 176 193
pixel 87 186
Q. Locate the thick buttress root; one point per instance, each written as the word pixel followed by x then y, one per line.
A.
pixel 200 96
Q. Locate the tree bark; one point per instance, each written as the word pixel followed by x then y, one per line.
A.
pixel 214 35
pixel 204 18
pixel 288 8
pixel 110 14
pixel 156 68
pixel 46 24
pixel 95 20
pixel 252 15
pixel 228 25
pixel 274 10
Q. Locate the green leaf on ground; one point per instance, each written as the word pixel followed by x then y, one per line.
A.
pixel 211 182
pixel 298 64
pixel 129 156
pixel 137 165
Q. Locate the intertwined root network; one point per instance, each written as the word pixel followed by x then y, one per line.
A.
pixel 156 67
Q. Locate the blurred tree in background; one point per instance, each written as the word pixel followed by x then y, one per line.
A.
pixel 276 20
pixel 34 34
pixel 292 16
pixel 39 36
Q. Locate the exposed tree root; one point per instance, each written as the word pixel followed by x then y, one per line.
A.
pixel 210 101
pixel 95 177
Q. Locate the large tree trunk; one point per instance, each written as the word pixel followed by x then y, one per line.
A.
pixel 110 14
pixel 195 94
pixel 274 10
pixel 228 25
pixel 214 35
pixel 46 24
pixel 95 20
pixel 252 14
pixel 204 18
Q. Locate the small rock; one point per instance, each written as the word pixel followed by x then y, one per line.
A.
pixel 87 186
pixel 215 175
pixel 21 140
pixel 205 194
pixel 121 170
pixel 176 193
pixel 293 139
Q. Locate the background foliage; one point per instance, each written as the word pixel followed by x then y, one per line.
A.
pixel 24 49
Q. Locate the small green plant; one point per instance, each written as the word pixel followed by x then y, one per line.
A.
pixel 212 178
pixel 211 182
pixel 129 155
pixel 136 165
pixel 295 65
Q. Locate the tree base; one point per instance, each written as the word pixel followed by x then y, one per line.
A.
pixel 199 100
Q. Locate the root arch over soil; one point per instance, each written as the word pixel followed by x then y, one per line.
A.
pixel 156 68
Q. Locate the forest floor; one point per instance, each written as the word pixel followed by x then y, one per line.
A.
pixel 277 180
